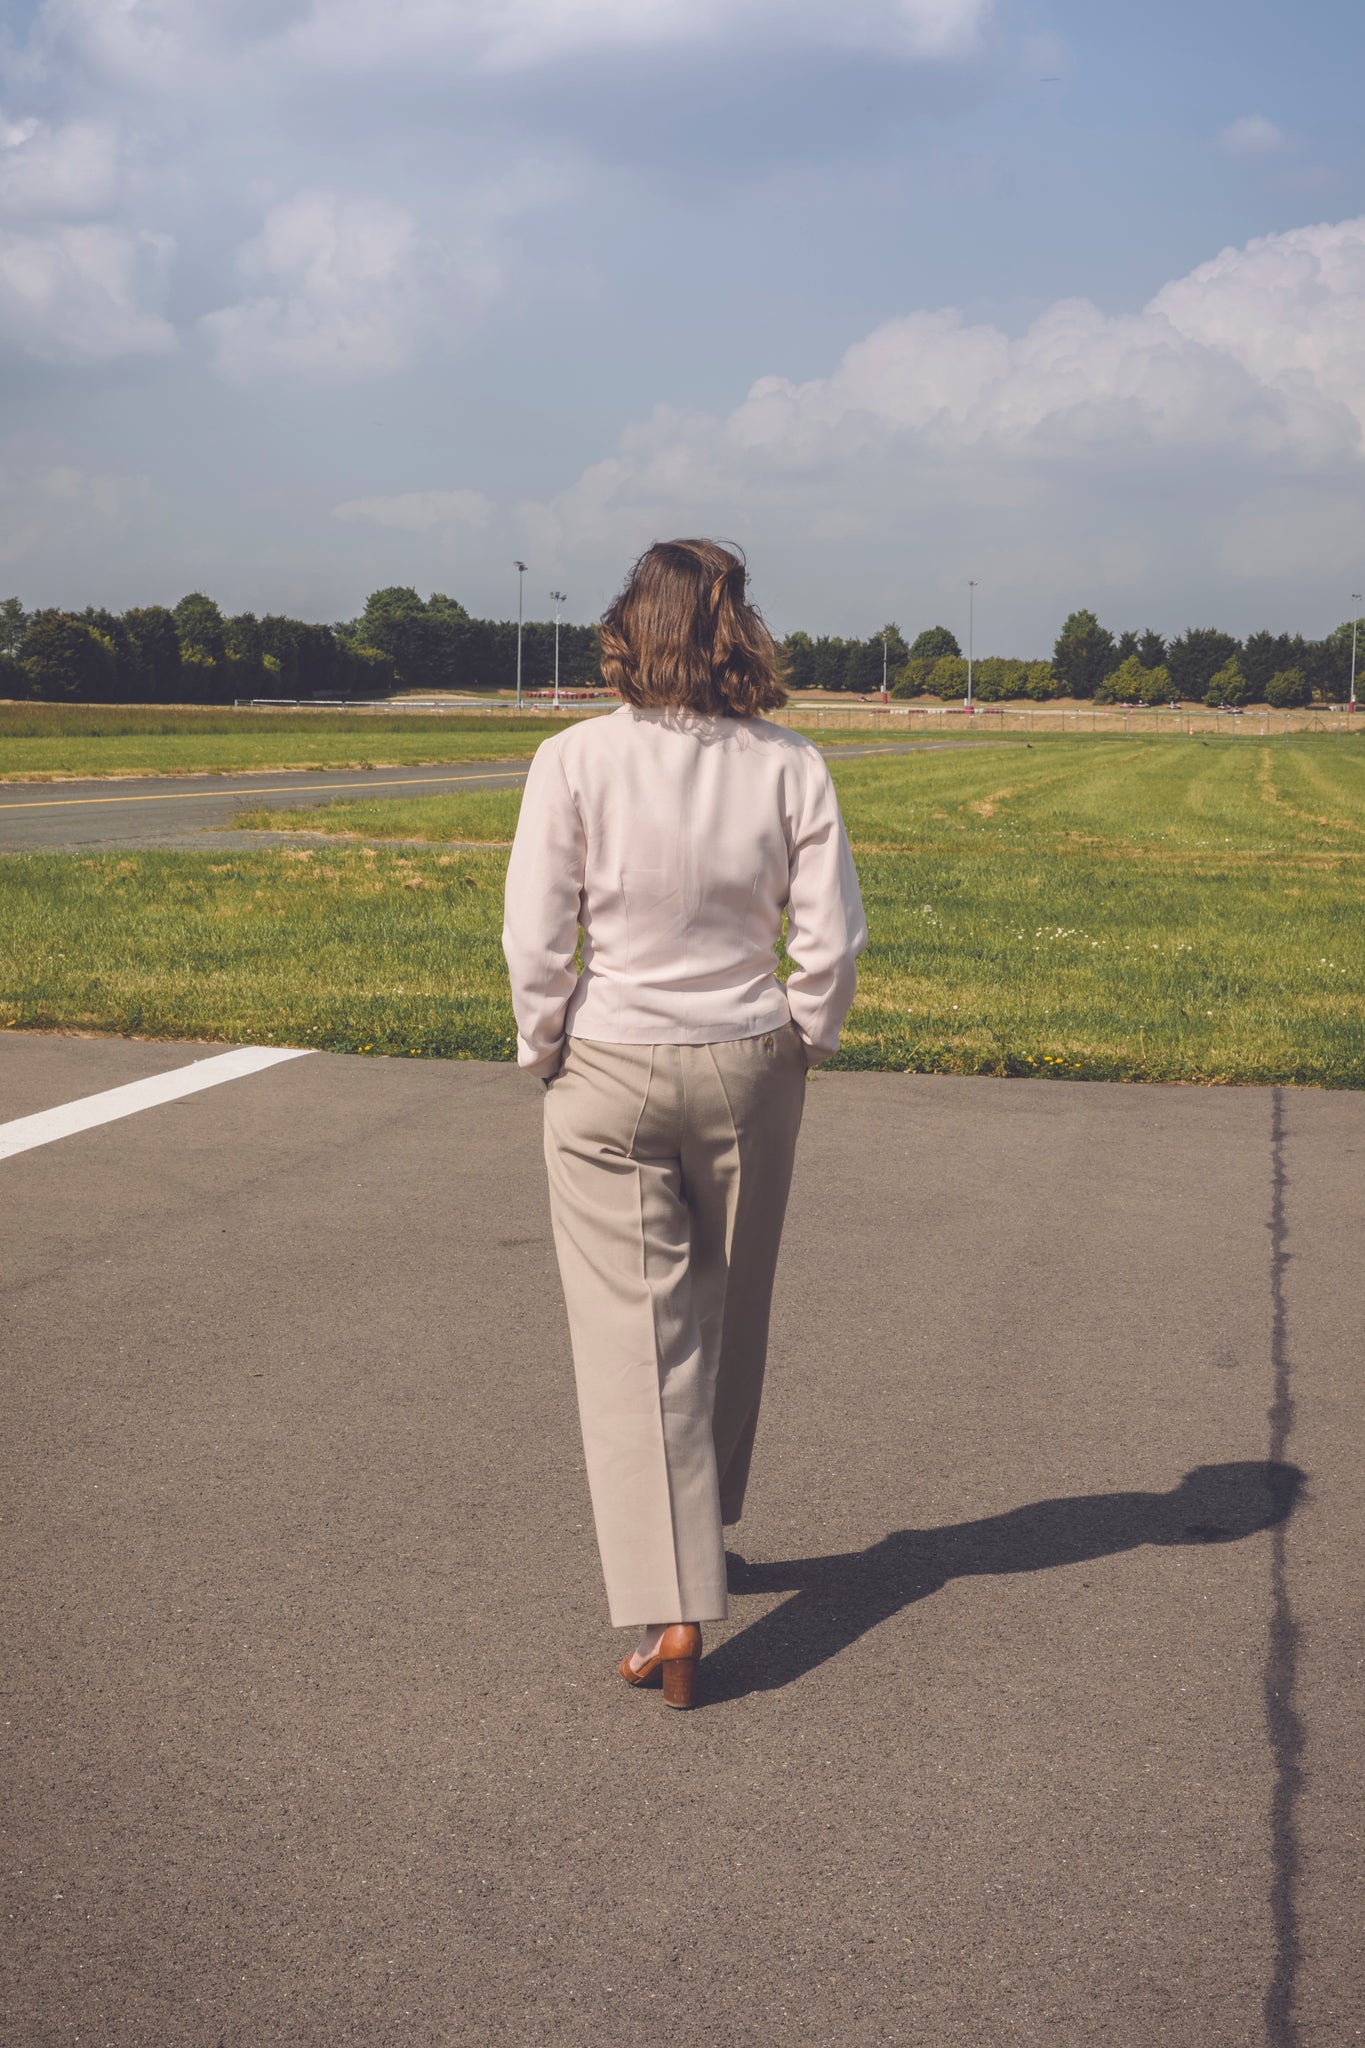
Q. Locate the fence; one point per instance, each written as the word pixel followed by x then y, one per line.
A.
pixel 902 719
pixel 982 719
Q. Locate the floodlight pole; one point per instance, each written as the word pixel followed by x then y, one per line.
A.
pixel 971 629
pixel 520 584
pixel 1355 622
pixel 560 598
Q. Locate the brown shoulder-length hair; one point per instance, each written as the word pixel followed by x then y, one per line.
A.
pixel 683 633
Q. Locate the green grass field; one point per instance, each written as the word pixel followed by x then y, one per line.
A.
pixel 1175 910
pixel 55 742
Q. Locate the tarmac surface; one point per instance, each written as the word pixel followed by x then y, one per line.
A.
pixel 1037 1715
pixel 164 810
pixel 197 811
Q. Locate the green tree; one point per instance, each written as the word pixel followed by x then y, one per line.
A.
pixel 448 642
pixel 1083 655
pixel 1040 682
pixel 199 623
pixel 896 649
pixel 1151 648
pixel 1263 656
pixel 948 678
pixel 64 660
pixel 996 679
pixel 1228 686
pixel 911 679
pixel 1132 682
pixel 1125 647
pixel 933 643
pixel 798 661
pixel 201 678
pixel 395 620
pixel 832 663
pixel 1329 662
pixel 124 680
pixel 1196 657
pixel 154 653
pixel 13 625
pixel 1288 690
pixel 246 652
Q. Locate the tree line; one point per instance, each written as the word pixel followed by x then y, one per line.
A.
pixel 194 653
pixel 1088 661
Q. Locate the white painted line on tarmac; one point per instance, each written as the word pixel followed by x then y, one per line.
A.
pixel 111 1103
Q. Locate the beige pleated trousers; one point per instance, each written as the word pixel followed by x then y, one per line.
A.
pixel 669 1167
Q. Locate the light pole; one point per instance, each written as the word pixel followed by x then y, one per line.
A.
pixel 884 697
pixel 560 597
pixel 1355 622
pixel 971 633
pixel 520 568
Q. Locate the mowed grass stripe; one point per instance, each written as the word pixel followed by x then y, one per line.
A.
pixel 1158 909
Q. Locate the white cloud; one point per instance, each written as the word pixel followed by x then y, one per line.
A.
pixel 1253 135
pixel 60 173
pixel 77 293
pixel 419 511
pixel 347 287
pixel 160 44
pixel 340 298
pixel 1089 435
pixel 518 34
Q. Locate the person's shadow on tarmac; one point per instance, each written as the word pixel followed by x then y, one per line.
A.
pixel 840 1598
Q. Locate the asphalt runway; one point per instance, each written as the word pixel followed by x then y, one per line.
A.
pixel 199 810
pixel 52 817
pixel 1037 1716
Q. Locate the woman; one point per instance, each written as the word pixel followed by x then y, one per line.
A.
pixel 674 833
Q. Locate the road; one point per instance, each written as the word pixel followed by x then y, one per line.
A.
pixel 198 810
pixel 1037 1716
pixel 182 811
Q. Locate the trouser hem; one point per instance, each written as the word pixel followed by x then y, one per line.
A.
pixel 641 1612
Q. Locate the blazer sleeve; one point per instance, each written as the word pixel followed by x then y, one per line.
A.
pixel 826 928
pixel 541 911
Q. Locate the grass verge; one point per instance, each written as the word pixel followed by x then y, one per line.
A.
pixel 57 742
pixel 1147 910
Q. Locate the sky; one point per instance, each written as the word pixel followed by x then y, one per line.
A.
pixel 303 297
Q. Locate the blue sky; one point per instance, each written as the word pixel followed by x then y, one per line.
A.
pixel 298 297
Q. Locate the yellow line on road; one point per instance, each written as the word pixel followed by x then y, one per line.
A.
pixel 187 796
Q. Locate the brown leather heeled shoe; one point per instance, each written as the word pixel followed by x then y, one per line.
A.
pixel 675 1661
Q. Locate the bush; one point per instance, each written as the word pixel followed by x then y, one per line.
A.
pixel 948 678
pixel 1134 683
pixel 1228 686
pixel 995 678
pixel 1288 690
pixel 1040 682
pixel 912 678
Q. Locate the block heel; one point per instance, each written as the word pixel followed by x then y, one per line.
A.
pixel 674 1663
pixel 680 1681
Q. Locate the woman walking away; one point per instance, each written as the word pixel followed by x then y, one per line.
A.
pixel 673 833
